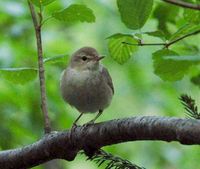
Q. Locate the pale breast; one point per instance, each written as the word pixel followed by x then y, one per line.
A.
pixel 85 90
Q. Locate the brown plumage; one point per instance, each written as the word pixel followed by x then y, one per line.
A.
pixel 86 84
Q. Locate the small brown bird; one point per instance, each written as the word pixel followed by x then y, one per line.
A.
pixel 86 84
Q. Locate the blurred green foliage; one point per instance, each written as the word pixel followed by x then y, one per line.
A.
pixel 138 90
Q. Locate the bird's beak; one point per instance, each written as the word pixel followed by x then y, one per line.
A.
pixel 99 58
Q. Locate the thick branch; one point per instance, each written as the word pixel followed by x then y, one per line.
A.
pixel 64 145
pixel 183 4
pixel 37 26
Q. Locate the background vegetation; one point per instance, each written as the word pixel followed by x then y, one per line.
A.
pixel 141 86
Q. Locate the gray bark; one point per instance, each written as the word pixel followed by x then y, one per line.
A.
pixel 66 144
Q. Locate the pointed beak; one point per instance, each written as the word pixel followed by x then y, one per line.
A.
pixel 99 58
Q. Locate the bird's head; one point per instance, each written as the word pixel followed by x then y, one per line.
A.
pixel 86 58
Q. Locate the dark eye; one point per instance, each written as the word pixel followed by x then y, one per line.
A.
pixel 84 58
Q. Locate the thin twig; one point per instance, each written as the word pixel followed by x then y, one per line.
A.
pixel 145 44
pixel 37 26
pixel 183 4
pixel 165 44
pixel 183 37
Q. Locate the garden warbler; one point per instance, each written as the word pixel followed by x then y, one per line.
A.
pixel 86 84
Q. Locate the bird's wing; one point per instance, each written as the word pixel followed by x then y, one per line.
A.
pixel 107 78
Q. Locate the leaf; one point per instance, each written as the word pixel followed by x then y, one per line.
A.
pixel 184 30
pixel 55 59
pixel 196 80
pixel 75 13
pixel 18 75
pixel 190 15
pixel 134 13
pixel 42 2
pixel 169 66
pixel 166 14
pixel 120 51
pixel 158 34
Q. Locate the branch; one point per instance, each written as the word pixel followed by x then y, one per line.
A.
pixel 183 4
pixel 166 44
pixel 37 26
pixel 66 145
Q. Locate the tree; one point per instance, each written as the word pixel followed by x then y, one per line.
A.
pixel 175 56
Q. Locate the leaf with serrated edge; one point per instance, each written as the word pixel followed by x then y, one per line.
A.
pixel 120 51
pixel 74 13
pixel 169 66
pixel 18 75
pixel 134 13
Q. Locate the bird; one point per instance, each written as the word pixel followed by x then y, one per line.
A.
pixel 86 84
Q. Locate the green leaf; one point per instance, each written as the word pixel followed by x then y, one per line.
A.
pixel 18 75
pixel 56 59
pixel 158 34
pixel 184 30
pixel 196 80
pixel 120 51
pixel 166 14
pixel 190 15
pixel 169 66
pixel 42 2
pixel 75 13
pixel 134 13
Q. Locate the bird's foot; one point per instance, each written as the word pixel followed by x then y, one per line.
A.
pixel 72 131
pixel 88 123
pixel 74 126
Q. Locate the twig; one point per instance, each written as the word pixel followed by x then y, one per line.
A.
pixel 37 26
pixel 145 44
pixel 183 37
pixel 183 4
pixel 166 44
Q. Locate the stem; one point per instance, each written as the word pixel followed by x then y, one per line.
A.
pixel 166 44
pixel 37 26
pixel 183 4
pixel 183 37
pixel 144 44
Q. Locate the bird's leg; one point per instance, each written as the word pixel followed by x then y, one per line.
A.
pixel 74 123
pixel 74 127
pixel 93 120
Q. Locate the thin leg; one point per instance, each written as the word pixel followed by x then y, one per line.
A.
pixel 93 120
pixel 74 124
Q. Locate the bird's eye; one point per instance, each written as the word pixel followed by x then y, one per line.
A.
pixel 84 58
